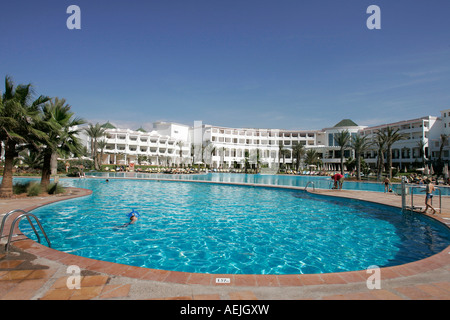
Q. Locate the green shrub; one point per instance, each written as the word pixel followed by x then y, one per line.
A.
pixel 20 187
pixel 54 188
pixel 34 189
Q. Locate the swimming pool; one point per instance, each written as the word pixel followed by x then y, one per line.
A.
pixel 228 229
pixel 321 182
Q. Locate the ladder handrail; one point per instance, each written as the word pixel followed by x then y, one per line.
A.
pixel 412 187
pixel 17 219
pixel 6 217
pixel 314 187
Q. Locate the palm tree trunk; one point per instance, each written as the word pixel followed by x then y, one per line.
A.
pixel 46 170
pixel 6 188
pixel 279 163
pixel 95 155
pixel 358 166
pixel 380 163
pixel 389 162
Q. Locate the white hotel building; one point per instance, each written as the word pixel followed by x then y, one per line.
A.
pixel 172 144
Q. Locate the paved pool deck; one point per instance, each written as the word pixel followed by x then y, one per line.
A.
pixel 31 271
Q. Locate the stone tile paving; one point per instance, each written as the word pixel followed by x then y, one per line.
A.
pixel 34 272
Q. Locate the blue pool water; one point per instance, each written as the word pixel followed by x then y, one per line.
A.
pixel 224 229
pixel 321 182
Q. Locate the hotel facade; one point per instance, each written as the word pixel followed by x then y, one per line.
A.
pixel 173 144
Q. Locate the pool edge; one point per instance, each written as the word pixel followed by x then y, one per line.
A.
pixel 433 262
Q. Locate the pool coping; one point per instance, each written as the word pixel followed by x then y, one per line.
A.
pixel 439 260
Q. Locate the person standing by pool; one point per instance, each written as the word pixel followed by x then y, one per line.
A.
pixel 387 183
pixel 429 188
pixel 338 179
pixel 334 177
pixel 341 181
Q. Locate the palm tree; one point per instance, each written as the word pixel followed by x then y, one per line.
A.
pixel 312 157
pixel 95 132
pixel 102 145
pixel 246 161
pixel 180 144
pixel 421 144
pixel 360 144
pixel 439 163
pixel 212 150
pixel 342 139
pixel 298 152
pixel 280 154
pixel 32 159
pixel 61 128
pixel 192 154
pixel 284 153
pixel 222 154
pixel 257 159
pixel 18 115
pixel 380 143
pixel 392 136
pixel 443 142
pixel 207 150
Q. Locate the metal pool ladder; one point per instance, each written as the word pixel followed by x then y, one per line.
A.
pixel 405 189
pixel 17 220
pixel 310 182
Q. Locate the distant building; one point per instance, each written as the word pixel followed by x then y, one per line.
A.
pixel 420 134
pixel 171 144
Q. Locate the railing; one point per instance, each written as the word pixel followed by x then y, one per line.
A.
pixel 405 189
pixel 17 220
pixel 310 182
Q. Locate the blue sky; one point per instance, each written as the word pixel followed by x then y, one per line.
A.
pixel 285 64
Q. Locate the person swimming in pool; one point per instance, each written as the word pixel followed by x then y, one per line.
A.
pixel 133 218
pixel 133 215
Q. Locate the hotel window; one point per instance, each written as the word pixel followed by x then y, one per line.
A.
pixel 330 140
